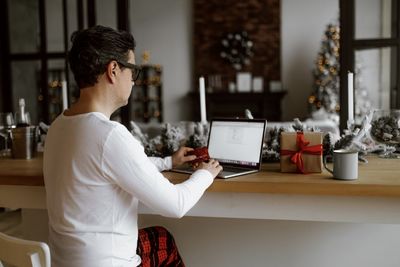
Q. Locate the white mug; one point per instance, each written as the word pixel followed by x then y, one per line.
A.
pixel 345 164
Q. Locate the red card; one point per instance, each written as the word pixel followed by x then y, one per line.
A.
pixel 201 153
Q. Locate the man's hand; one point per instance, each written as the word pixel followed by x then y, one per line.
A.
pixel 180 157
pixel 212 166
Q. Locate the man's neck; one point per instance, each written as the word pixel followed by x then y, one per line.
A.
pixel 92 99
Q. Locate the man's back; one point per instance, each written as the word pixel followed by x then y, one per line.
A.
pixel 89 214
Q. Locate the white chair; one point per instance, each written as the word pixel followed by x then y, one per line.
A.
pixel 23 253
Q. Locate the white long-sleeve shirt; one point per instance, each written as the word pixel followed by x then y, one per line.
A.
pixel 95 173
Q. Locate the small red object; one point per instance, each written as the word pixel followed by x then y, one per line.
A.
pixel 201 153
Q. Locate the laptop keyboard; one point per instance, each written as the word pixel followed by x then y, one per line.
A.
pixel 233 169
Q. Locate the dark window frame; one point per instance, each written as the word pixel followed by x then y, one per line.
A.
pixel 43 55
pixel 349 45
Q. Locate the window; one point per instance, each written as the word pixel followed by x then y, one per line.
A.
pixel 34 45
pixel 370 48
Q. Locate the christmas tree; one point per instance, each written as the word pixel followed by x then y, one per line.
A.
pixel 324 101
pixel 326 74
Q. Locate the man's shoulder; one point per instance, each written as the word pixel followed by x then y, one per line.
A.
pixel 121 137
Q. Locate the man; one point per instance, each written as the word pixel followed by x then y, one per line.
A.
pixel 96 172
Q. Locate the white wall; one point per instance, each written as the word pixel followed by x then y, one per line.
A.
pixel 165 29
pixel 221 242
pixel 303 26
pixel 268 243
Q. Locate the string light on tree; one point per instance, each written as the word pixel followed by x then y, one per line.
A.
pixel 326 73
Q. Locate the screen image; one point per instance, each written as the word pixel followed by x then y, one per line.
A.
pixel 236 142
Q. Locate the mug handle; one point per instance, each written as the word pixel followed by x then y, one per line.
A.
pixel 325 161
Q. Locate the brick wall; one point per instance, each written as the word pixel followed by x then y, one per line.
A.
pixel 214 19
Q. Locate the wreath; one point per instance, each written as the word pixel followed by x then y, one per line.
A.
pixel 237 49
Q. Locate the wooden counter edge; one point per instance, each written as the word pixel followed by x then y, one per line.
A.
pixel 344 189
pixel 31 175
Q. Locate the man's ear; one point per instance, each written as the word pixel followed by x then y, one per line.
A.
pixel 111 71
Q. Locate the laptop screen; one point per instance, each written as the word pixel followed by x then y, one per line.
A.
pixel 236 142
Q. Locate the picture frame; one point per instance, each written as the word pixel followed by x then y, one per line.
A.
pixel 258 84
pixel 243 82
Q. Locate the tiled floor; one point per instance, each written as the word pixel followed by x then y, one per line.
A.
pixel 10 222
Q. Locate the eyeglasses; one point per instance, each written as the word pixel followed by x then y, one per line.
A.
pixel 135 69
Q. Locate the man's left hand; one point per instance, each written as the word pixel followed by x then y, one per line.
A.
pixel 180 157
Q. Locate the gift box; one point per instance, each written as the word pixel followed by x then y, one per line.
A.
pixel 301 152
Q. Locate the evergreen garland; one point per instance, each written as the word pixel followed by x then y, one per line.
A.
pixel 172 138
pixel 199 137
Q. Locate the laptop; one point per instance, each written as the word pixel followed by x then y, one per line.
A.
pixel 236 144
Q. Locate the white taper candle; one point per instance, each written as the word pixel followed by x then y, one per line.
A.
pixel 64 95
pixel 350 94
pixel 203 115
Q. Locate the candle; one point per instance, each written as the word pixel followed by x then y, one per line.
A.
pixel 64 95
pixel 350 94
pixel 202 100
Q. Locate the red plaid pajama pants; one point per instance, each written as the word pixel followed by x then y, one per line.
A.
pixel 156 246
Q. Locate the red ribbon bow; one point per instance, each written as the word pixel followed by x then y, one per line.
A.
pixel 303 148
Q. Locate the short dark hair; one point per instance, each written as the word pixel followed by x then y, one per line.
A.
pixel 93 49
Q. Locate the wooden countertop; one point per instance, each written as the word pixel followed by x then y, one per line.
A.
pixel 380 177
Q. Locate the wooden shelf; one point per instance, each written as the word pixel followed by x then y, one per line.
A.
pixel 224 104
pixel 146 99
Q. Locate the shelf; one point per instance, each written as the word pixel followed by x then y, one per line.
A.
pixel 146 98
pixel 264 105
